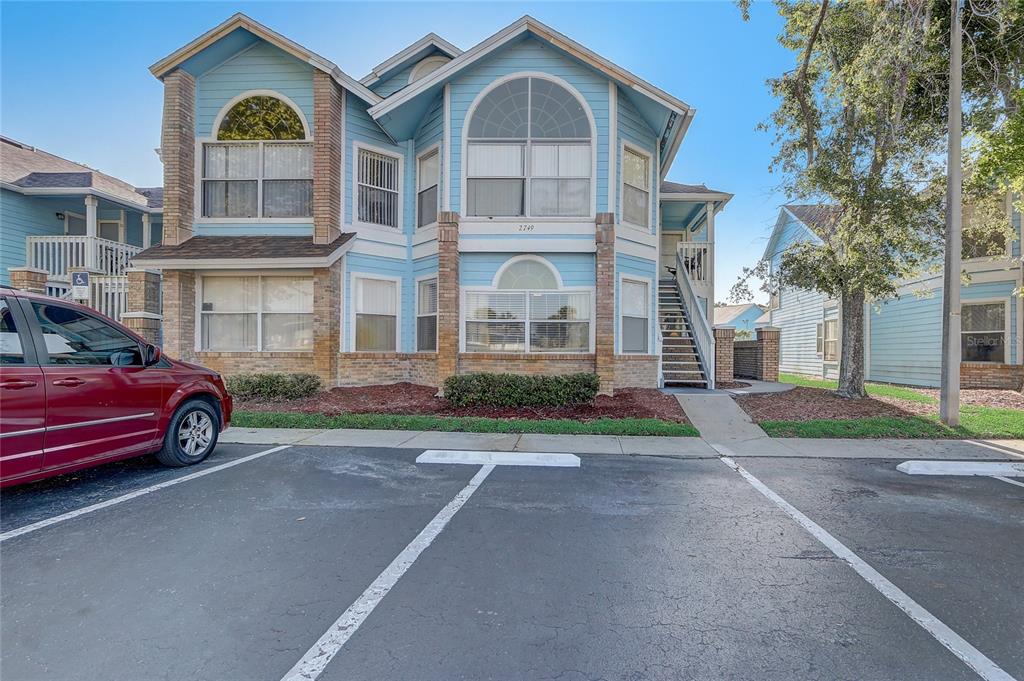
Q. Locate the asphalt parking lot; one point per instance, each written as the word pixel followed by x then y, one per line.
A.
pixel 296 564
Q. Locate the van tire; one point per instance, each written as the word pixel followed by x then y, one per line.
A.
pixel 191 434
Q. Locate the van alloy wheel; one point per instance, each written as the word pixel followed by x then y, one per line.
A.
pixel 195 433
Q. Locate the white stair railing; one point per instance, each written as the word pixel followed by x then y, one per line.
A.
pixel 108 294
pixel 703 337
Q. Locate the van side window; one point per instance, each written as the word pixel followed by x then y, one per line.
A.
pixel 11 351
pixel 73 338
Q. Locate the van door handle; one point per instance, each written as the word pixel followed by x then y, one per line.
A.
pixel 15 384
pixel 69 382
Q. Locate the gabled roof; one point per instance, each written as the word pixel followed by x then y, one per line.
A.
pixel 726 313
pixel 820 218
pixel 429 44
pixel 698 192
pixel 527 24
pixel 28 170
pixel 241 22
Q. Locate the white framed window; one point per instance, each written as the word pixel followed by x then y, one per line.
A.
pixel 377 188
pixel 376 314
pixel 528 311
pixel 426 315
pixel 264 179
pixel 819 339
pixel 74 223
pixel 529 152
pixel 109 229
pixel 636 187
pixel 256 313
pixel 983 332
pixel 830 342
pixel 634 308
pixel 428 176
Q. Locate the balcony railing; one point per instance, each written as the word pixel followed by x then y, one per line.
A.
pixel 697 257
pixel 703 337
pixel 58 254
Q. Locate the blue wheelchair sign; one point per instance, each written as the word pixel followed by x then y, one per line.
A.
pixel 80 285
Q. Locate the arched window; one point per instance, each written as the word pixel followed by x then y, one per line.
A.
pixel 529 152
pixel 261 165
pixel 427 66
pixel 528 312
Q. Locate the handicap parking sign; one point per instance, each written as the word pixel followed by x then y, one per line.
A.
pixel 80 285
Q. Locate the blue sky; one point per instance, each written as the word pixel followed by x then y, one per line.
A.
pixel 74 78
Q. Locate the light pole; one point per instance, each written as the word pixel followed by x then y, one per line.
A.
pixel 949 395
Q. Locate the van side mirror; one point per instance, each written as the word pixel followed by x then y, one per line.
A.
pixel 153 355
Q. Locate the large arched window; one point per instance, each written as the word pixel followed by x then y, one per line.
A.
pixel 529 152
pixel 528 310
pixel 261 165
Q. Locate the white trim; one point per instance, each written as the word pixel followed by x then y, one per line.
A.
pixel 613 145
pixel 518 245
pixel 526 226
pixel 69 213
pixel 464 141
pixel 699 197
pixel 343 174
pixel 357 145
pixel 650 290
pixel 432 149
pixel 384 250
pixel 416 312
pixel 425 234
pixel 1006 327
pixel 80 191
pixel 651 188
pixel 422 65
pixel 524 258
pixel 219 118
pixel 399 59
pixel 464 290
pixel 425 249
pixel 353 304
pixel 639 250
pixel 446 200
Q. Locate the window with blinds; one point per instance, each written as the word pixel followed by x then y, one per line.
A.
pixel 831 340
pixel 376 314
pixel 254 313
pixel 377 179
pixel 636 188
pixel 634 302
pixel 426 316
pixel 428 173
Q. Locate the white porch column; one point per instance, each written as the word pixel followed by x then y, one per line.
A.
pixel 122 228
pixel 710 208
pixel 91 232
pixel 146 234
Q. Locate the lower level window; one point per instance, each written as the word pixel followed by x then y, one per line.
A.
pixel 426 316
pixel 376 314
pixel 634 302
pixel 256 313
pixel 983 332
pixel 831 340
pixel 527 321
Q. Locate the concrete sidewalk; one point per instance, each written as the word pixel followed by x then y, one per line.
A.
pixel 684 447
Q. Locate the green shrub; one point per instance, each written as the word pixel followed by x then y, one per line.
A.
pixel 513 390
pixel 273 386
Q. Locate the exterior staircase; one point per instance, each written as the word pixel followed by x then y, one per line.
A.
pixel 681 366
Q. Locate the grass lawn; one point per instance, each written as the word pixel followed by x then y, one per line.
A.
pixel 463 424
pixel 976 421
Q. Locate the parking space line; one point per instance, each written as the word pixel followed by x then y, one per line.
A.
pixel 32 527
pixel 985 468
pixel 1012 482
pixel 968 654
pixel 327 646
pixel 478 458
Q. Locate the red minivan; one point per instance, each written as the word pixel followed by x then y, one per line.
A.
pixel 78 389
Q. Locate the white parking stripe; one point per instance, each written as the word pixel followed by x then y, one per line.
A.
pixel 316 658
pixel 987 468
pixel 547 459
pixel 1012 482
pixel 25 529
pixel 971 656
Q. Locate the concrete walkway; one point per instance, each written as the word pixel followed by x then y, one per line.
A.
pixel 684 447
pixel 726 427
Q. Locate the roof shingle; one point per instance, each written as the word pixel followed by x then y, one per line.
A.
pixel 821 218
pixel 243 248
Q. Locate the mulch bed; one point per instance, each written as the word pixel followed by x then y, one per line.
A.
pixel 409 398
pixel 808 404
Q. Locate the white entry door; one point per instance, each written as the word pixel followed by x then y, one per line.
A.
pixel 669 241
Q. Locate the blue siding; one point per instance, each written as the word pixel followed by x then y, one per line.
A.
pixel 358 263
pixel 422 267
pixel 478 269
pixel 634 130
pixel 393 83
pixel 261 67
pixel 23 216
pixel 359 127
pixel 254 229
pixel 529 55
pixel 637 267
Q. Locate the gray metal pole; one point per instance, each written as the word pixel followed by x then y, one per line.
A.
pixel 949 396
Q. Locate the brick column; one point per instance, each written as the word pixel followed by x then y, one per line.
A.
pixel 604 325
pixel 327 322
pixel 31 279
pixel 179 293
pixel 768 353
pixel 327 149
pixel 724 338
pixel 143 313
pixel 447 295
pixel 178 152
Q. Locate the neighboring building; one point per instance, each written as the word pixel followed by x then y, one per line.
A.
pixel 903 335
pixel 742 317
pixel 57 215
pixel 499 209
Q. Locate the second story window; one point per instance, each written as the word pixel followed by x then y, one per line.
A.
pixel 261 165
pixel 427 175
pixel 377 182
pixel 636 188
pixel 529 152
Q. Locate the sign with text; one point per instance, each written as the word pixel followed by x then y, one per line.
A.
pixel 80 285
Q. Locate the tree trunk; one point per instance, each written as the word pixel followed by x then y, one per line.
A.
pixel 851 362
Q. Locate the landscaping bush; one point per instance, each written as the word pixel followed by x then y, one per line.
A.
pixel 513 390
pixel 273 386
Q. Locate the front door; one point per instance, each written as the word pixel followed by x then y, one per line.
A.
pixel 669 242
pixel 101 401
pixel 22 397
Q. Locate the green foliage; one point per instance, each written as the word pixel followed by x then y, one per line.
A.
pixel 261 118
pixel 975 423
pixel 273 386
pixel 514 390
pixel 874 389
pixel 464 424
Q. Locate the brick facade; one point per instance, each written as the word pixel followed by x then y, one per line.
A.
pixel 178 151
pixel 142 314
pixel 327 323
pixel 228 363
pixel 29 279
pixel 382 368
pixel 636 371
pixel 542 364
pixel 179 301
pixel 744 357
pixel 995 376
pixel 327 154
pixel 604 324
pixel 447 294
pixel 758 359
pixel 724 341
